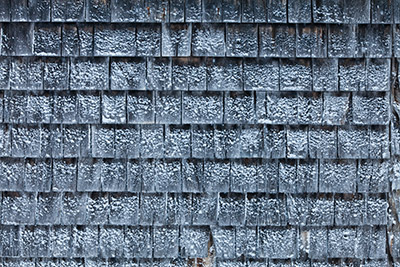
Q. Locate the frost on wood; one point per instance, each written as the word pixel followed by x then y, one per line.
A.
pixel 205 133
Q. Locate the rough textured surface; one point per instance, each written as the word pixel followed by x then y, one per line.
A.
pixel 229 133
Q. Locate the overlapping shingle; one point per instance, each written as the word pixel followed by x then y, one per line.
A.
pixel 198 132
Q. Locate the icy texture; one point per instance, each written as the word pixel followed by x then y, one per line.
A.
pixel 148 40
pixel 26 73
pixel 70 10
pixel 47 40
pixel 336 107
pixel 370 109
pixel 325 75
pixel 199 133
pixel 343 41
pixel 159 74
pixel 299 11
pixel 353 142
pixel 17 39
pixel 208 40
pixel 55 74
pixel 277 41
pixel 337 176
pixel 114 41
pixel 177 142
pixel 239 108
pixel 224 74
pixel 202 107
pixel 98 10
pixel 151 145
pixel 89 74
pixel 140 107
pixel 241 40
pixel 168 107
pixel 311 41
pixel 128 74
pixel 188 74
pixel 261 74
pixel 113 108
pixel 352 75
pixel 176 39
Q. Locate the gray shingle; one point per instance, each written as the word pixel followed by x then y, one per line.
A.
pixel 278 243
pixel 168 107
pixel 241 40
pixel 311 40
pixel 114 40
pixel 176 39
pixel 188 74
pixel 38 175
pixel 18 208
pixel 343 41
pixel 261 74
pixel 341 242
pixel 148 40
pixel 17 39
pixel 224 238
pixel 152 209
pixel 74 209
pixel 64 175
pixel 378 74
pixel 205 208
pixel 208 40
pixel 318 243
pixel 26 73
pixel 177 141
pixel 111 241
pixel 202 141
pixel 47 210
pixel 138 242
pixel 202 107
pixel 239 108
pixel 216 176
pixel 113 175
pixel 55 74
pixel 299 11
pixel 98 10
pixel 350 211
pixel 274 141
pixel 71 10
pixel 224 74
pixel 231 209
pixel 337 176
pixel 89 74
pixel 381 11
pixel 352 75
pixel 47 40
pixel 192 174
pixel 158 74
pixel 140 107
pixel 277 40
pixel 325 74
pixel 98 209
pixel 246 176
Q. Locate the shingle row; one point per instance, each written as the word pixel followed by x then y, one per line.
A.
pixel 302 263
pixel 361 11
pixel 184 141
pixel 182 262
pixel 194 74
pixel 175 107
pixel 172 175
pixel 184 40
pixel 225 209
pixel 171 242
